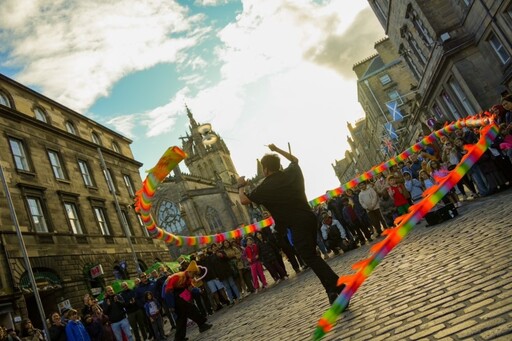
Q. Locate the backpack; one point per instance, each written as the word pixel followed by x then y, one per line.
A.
pixel 333 233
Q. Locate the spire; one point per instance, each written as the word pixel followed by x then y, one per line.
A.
pixel 193 122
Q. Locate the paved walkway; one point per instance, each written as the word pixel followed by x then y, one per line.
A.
pixel 452 281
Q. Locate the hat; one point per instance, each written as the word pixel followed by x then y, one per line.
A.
pixel 192 267
pixel 406 171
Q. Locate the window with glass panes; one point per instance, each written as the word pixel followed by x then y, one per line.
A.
pixel 129 185
pixel 40 115
pixel 4 100
pixel 499 49
pixel 86 174
pixel 102 221
pixel 37 214
pixel 70 127
pixel 56 164
pixel 19 153
pixel 73 219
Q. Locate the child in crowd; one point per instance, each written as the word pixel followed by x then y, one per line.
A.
pixel 152 308
pixel 387 208
pixel 414 187
pixel 253 257
pixel 397 192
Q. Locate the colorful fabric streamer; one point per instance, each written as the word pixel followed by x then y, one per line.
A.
pixel 447 129
pixel 143 197
pixel 406 223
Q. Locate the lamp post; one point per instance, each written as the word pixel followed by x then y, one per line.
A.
pixel 24 253
pixel 118 208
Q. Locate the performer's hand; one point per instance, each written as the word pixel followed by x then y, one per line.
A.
pixel 272 147
pixel 241 181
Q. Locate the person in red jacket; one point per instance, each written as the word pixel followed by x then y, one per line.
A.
pixel 397 192
pixel 178 287
pixel 252 253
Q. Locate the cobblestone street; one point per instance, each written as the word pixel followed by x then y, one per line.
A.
pixel 451 281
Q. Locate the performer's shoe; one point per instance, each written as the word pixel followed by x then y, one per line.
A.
pixel 204 327
pixel 334 295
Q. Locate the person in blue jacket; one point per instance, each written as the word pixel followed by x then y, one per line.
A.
pixel 75 330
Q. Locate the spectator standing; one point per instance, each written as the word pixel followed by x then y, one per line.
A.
pixel 152 308
pixel 369 200
pixel 136 316
pixel 75 330
pixel 252 252
pixel 113 307
pixel 57 328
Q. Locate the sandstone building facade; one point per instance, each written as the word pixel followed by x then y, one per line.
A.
pixel 75 236
pixel 454 58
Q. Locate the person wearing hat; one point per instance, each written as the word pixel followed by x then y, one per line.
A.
pixel 179 297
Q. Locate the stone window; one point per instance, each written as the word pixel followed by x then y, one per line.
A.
pixel 445 97
pixel 70 127
pixel 86 174
pixel 56 163
pixel 169 216
pixel 129 185
pixel 73 217
pixel 115 147
pixel 40 115
pixel 96 138
pixel 37 215
pixel 385 79
pixel 499 49
pixel 419 26
pixel 125 222
pixel 409 61
pixel 461 96
pixel 4 100
pixel 19 154
pixel 141 224
pixel 111 181
pixel 394 96
pixel 102 221
pixel 213 219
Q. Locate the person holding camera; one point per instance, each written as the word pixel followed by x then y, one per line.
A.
pixel 113 307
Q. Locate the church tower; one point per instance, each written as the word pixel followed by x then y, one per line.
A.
pixel 210 162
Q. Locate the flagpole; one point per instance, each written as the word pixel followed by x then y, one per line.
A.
pixel 24 253
pixel 118 210
pixel 376 101
pixel 380 108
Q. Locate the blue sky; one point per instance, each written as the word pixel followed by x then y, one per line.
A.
pixel 260 71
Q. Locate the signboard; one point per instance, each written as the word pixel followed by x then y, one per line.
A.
pixel 96 271
pixel 63 306
pixel 96 291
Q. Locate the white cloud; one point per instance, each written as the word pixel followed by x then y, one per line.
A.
pixel 211 3
pixel 279 81
pixel 76 50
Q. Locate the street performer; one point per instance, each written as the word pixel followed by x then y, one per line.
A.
pixel 178 296
pixel 283 195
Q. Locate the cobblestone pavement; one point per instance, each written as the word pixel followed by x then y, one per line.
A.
pixel 451 281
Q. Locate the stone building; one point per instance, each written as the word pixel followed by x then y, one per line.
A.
pixel 443 60
pixel 459 52
pixel 384 81
pixel 76 237
pixel 204 201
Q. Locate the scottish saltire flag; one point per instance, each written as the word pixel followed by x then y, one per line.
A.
pixel 391 132
pixel 393 110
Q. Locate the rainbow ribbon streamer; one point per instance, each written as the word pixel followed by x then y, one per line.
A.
pixel 406 223
pixel 170 159
pixel 469 122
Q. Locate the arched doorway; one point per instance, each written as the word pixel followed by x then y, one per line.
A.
pixel 49 285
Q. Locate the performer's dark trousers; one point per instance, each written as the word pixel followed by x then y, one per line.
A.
pixel 186 310
pixel 304 241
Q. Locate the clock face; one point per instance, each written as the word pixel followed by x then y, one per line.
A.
pixel 170 218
